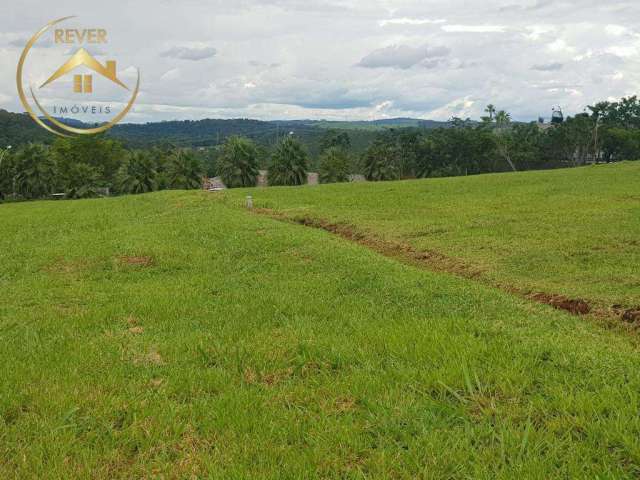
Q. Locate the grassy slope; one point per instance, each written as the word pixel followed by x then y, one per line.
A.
pixel 574 232
pixel 250 348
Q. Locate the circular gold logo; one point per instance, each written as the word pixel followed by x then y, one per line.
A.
pixel 82 84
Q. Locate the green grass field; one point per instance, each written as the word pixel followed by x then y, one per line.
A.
pixel 574 232
pixel 175 335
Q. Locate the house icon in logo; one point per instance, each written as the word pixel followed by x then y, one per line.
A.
pixel 84 83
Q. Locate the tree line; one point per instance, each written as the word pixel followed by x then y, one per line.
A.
pixel 90 166
pixel 84 167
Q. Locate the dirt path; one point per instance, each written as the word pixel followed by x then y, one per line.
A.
pixel 438 262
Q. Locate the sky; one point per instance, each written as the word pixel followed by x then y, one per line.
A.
pixel 348 59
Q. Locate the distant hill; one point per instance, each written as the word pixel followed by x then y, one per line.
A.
pixel 17 129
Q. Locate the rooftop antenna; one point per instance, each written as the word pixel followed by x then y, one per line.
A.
pixel 557 117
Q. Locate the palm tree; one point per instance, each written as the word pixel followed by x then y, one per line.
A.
pixel 238 163
pixel 491 110
pixel 185 171
pixel 381 162
pixel 36 175
pixel 138 174
pixel 334 166
pixel 288 164
pixel 503 121
pixel 81 181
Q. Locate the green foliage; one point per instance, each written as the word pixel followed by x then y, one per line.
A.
pixel 104 155
pixel 334 166
pixel 7 172
pixel 288 163
pixel 81 181
pixel 35 172
pixel 138 174
pixel 619 143
pixel 335 139
pixel 382 161
pixel 238 163
pixel 184 170
pixel 18 129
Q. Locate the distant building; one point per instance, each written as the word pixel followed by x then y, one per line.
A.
pixel 213 184
pixel 216 184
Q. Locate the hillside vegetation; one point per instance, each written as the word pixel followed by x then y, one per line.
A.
pixel 574 232
pixel 174 335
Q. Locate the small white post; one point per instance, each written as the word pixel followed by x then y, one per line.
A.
pixel 249 202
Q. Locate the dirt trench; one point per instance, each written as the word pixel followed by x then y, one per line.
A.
pixel 438 262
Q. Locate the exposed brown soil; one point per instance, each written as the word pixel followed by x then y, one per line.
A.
pixel 574 306
pixel 435 260
pixel 438 262
pixel 631 315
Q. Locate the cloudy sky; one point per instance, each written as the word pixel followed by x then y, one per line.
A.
pixel 351 59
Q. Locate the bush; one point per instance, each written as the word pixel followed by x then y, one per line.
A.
pixel 238 163
pixel 288 164
pixel 334 166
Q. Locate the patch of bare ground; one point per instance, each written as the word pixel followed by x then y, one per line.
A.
pixel 438 262
pixel 560 302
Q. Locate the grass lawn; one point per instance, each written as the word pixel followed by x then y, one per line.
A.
pixel 174 335
pixel 574 232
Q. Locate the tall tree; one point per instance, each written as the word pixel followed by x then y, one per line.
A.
pixel 138 174
pixel 238 163
pixel 7 172
pixel 288 163
pixel 185 171
pixel 334 166
pixel 382 161
pixel 335 138
pixel 491 110
pixel 36 175
pixel 503 138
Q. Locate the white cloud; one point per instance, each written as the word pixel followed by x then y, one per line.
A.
pixel 410 21
pixel 190 53
pixel 403 57
pixel 548 67
pixel 616 30
pixel 307 59
pixel 474 28
pixel 560 46
pixel 172 74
